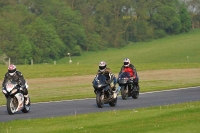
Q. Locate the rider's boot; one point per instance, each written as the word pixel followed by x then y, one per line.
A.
pixel 114 92
pixel 27 99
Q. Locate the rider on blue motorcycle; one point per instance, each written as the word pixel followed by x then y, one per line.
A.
pixel 110 77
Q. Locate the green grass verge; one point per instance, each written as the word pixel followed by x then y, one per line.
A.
pixel 63 70
pixel 177 118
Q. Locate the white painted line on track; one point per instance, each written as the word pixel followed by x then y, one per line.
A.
pixel 94 98
pixel 170 90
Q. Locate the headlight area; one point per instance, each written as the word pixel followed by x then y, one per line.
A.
pixel 99 86
pixel 13 91
pixel 4 91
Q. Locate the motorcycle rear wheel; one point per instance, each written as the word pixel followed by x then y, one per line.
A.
pixel 100 99
pixel 135 94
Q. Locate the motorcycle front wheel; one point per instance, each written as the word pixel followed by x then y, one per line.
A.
pixel 100 99
pixel 10 105
pixel 124 92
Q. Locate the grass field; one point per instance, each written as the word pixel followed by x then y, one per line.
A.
pixel 178 118
pixel 167 63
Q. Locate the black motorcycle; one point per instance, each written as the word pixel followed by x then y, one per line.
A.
pixel 104 94
pixel 128 89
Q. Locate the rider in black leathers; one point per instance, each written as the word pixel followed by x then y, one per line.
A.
pixel 17 76
pixel 110 77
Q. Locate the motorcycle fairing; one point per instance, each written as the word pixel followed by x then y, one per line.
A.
pixel 99 81
pixel 20 99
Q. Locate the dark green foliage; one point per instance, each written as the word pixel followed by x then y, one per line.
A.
pixel 142 31
pixel 47 43
pixel 159 34
pixel 25 49
pixel 67 25
pixel 185 19
pixel 47 30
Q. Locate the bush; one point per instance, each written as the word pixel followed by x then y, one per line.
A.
pixel 159 34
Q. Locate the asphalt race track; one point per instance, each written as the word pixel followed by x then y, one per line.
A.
pixel 74 107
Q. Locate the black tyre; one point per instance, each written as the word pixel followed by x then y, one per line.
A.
pixel 136 93
pixel 124 92
pixel 10 105
pixel 113 102
pixel 100 99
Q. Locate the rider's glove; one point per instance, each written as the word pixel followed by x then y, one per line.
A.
pixel 22 87
pixel 133 78
pixel 19 83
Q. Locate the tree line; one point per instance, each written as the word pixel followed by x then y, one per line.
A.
pixel 47 30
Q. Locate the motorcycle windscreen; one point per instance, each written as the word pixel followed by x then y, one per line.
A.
pixel 123 77
pixel 99 81
pixel 10 85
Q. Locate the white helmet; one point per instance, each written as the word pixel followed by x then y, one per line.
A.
pixel 102 66
pixel 126 62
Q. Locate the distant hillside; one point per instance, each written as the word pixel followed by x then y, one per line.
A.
pixel 182 48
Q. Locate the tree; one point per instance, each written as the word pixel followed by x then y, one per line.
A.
pixel 25 49
pixel 9 39
pixel 193 6
pixel 185 19
pixel 66 22
pixel 46 30
pixel 45 42
pixel 165 17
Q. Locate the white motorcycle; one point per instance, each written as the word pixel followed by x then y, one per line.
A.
pixel 15 98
